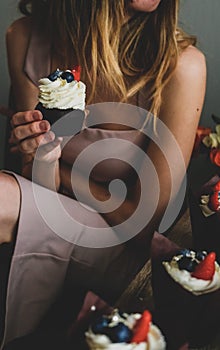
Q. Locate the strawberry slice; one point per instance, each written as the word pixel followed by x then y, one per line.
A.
pixel 206 268
pixel 76 71
pixel 141 328
pixel 214 201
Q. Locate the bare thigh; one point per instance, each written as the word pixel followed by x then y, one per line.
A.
pixel 9 206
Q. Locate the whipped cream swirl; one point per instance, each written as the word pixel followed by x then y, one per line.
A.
pixel 62 94
pixel 194 285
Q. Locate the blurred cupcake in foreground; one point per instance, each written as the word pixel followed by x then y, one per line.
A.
pixel 125 332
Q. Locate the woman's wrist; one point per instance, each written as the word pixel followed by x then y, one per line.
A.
pixel 47 174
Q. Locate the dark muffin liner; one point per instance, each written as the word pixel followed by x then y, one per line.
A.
pixel 72 119
pixel 205 230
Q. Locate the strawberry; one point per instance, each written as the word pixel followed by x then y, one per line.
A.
pixel 141 328
pixel 217 186
pixel 214 201
pixel 206 268
pixel 76 71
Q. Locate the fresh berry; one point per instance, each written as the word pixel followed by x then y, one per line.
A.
pixel 206 268
pixel 119 333
pixel 141 328
pixel 76 71
pixel 68 76
pixel 56 74
pixel 200 255
pixel 214 201
pixel 100 325
pixel 185 252
pixel 217 186
pixel 186 263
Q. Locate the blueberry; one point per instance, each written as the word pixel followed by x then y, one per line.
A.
pixel 120 333
pixel 56 74
pixel 185 252
pixel 200 255
pixel 99 325
pixel 186 263
pixel 68 76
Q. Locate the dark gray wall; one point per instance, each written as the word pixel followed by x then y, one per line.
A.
pixel 200 17
pixel 7 14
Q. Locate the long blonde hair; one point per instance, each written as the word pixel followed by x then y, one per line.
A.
pixel 124 55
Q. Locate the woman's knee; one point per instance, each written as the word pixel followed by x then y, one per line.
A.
pixel 9 206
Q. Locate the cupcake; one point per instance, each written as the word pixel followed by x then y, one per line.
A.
pixel 210 202
pixel 197 272
pixel 205 216
pixel 125 332
pixel 60 93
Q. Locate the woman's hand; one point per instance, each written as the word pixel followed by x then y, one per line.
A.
pixel 31 134
pixel 28 131
pixel 32 137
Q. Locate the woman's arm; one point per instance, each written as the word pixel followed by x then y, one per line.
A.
pixel 42 167
pixel 39 146
pixel 17 40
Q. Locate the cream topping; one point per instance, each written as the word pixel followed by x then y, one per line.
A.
pixel 62 94
pixel 194 285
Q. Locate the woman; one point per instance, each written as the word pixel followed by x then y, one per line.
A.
pixel 130 51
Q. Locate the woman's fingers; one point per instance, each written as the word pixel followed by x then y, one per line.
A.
pixel 27 125
pixel 22 118
pixel 29 132
pixel 30 145
pixel 31 129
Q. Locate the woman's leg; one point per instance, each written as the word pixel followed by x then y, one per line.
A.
pixel 9 207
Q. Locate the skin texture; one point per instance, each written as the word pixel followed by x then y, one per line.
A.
pixel 9 212
pixel 181 108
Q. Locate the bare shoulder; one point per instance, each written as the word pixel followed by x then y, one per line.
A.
pixel 17 39
pixel 189 76
pixel 183 98
pixel 21 26
pixel 191 63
